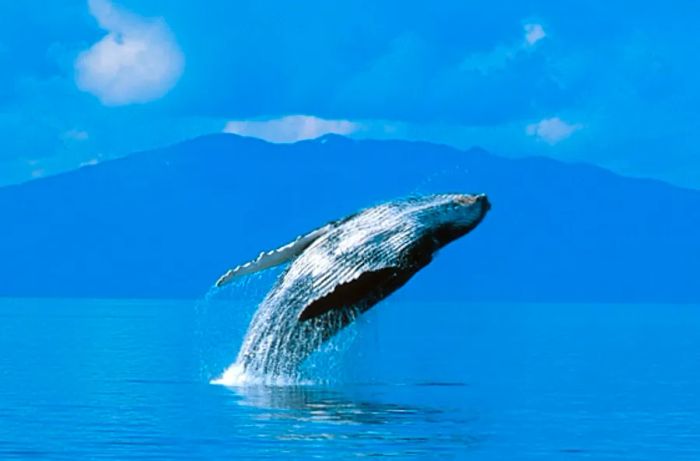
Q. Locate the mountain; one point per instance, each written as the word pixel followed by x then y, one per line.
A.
pixel 168 222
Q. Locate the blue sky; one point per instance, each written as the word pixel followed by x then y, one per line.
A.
pixel 599 82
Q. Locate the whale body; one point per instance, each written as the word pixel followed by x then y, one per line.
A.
pixel 341 270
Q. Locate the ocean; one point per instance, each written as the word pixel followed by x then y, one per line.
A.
pixel 133 379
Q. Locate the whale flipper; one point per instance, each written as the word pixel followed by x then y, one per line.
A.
pixel 272 258
pixel 366 287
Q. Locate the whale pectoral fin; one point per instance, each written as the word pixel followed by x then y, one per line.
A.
pixel 361 293
pixel 268 259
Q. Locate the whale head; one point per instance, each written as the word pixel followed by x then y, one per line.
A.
pixel 447 217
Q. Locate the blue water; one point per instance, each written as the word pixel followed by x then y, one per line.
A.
pixel 100 379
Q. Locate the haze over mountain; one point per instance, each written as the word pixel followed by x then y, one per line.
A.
pixel 168 222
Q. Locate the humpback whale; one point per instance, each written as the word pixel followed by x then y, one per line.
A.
pixel 342 269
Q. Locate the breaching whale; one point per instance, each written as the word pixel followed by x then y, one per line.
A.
pixel 342 269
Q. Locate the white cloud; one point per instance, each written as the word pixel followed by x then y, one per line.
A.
pixel 534 33
pixel 137 61
pixel 291 128
pixel 501 56
pixel 552 130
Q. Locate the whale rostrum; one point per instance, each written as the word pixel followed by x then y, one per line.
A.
pixel 341 270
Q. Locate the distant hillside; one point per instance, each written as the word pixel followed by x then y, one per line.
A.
pixel 167 223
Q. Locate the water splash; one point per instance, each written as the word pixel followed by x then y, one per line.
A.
pixel 277 343
pixel 222 318
pixel 449 178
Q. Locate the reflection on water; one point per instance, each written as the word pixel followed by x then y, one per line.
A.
pixel 310 403
pixel 361 414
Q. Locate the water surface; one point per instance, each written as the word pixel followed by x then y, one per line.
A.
pixel 101 379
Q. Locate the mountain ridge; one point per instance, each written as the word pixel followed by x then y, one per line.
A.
pixel 334 136
pixel 167 222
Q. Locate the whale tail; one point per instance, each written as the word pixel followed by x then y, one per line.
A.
pixel 268 259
